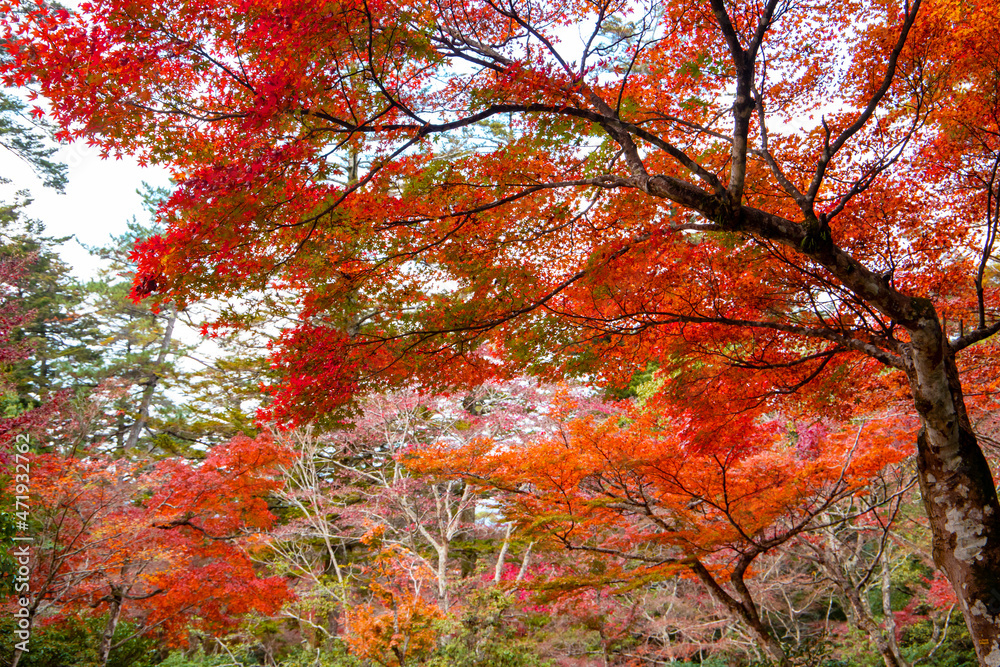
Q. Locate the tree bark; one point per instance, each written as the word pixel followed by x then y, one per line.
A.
pixel 151 381
pixel 114 613
pixel 502 556
pixel 957 486
pixel 890 620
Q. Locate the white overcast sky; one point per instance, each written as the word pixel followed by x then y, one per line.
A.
pixel 100 199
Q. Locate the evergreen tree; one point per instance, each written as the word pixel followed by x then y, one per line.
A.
pixel 25 137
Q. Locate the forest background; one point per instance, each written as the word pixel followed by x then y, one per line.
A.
pixel 337 477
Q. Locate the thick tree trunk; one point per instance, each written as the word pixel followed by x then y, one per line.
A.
pixel 957 487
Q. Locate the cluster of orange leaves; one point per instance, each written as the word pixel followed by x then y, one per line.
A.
pixel 399 624
pixel 637 484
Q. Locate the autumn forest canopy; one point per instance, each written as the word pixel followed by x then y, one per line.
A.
pixel 529 333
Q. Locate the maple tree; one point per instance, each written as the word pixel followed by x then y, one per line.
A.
pixel 399 626
pixel 630 484
pixel 786 206
pixel 159 547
